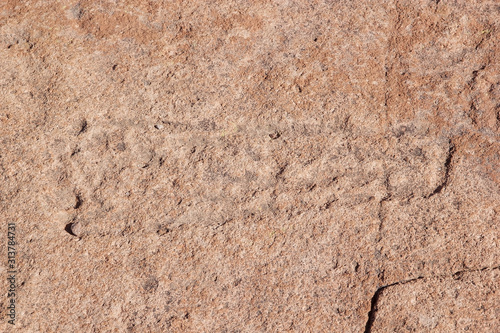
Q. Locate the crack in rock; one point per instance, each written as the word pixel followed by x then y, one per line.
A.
pixel 447 168
pixel 378 292
pixel 375 298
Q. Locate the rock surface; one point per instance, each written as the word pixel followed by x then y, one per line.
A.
pixel 251 166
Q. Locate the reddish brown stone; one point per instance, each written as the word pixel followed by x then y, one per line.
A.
pixel 251 166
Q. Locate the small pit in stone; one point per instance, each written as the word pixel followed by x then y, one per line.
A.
pixel 275 135
pixel 69 229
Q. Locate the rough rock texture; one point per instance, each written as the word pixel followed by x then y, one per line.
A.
pixel 251 166
pixel 452 304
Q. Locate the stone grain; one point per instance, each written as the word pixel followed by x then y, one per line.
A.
pixel 251 166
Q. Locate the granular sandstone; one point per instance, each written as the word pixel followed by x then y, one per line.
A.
pixel 251 166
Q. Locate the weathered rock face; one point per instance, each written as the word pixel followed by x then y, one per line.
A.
pixel 229 166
